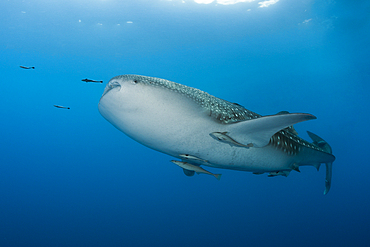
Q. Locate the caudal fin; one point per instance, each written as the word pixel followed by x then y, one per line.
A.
pixel 321 143
pixel 328 177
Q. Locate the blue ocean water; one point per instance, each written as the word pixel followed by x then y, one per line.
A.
pixel 69 178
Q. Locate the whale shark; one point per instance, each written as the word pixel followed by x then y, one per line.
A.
pixel 202 130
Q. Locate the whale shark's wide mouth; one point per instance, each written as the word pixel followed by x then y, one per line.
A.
pixel 110 86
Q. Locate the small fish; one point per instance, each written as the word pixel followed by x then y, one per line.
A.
pixel 194 168
pixel 89 80
pixel 223 137
pixel 191 157
pixel 24 67
pixel 62 107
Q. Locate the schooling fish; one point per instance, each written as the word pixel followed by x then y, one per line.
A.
pixel 175 119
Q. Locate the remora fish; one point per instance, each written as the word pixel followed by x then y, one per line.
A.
pixel 175 119
pixel 191 157
pixel 223 137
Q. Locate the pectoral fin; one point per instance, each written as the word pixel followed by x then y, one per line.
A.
pixel 259 131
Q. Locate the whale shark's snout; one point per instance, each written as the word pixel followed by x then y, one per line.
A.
pixel 107 101
pixel 111 85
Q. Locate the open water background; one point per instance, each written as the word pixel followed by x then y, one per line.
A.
pixel 69 178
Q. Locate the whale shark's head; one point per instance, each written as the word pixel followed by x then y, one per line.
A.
pixel 135 104
pixel 119 89
pixel 133 93
pixel 129 91
pixel 122 96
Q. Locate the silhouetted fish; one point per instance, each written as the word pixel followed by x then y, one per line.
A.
pixel 62 107
pixel 89 80
pixel 24 67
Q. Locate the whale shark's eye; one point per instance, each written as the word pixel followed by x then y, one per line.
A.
pixel 135 81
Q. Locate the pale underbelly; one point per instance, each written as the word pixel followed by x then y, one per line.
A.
pixel 204 150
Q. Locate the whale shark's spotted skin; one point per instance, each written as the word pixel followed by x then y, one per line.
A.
pixel 222 110
pixel 176 119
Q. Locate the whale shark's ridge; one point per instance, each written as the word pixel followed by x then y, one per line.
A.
pixel 222 110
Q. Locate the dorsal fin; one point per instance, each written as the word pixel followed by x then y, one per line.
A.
pixel 321 143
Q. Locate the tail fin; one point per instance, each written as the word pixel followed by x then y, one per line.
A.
pixel 328 177
pixel 321 143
